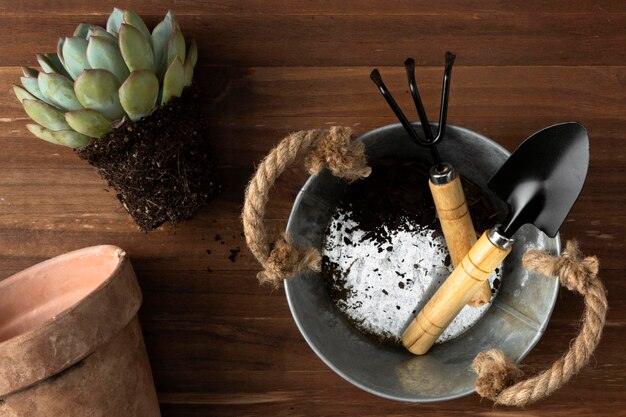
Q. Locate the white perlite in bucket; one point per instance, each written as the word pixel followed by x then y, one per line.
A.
pixel 384 285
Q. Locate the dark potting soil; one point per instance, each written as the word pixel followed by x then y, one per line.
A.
pixel 160 166
pixel 397 191
pixel 394 196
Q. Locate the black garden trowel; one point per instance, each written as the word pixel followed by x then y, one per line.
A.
pixel 540 183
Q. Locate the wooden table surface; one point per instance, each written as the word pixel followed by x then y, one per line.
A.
pixel 220 344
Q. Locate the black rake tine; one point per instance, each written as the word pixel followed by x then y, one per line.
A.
pixel 378 80
pixel 443 112
pixel 409 65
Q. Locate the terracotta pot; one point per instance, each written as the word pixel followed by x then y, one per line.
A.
pixel 70 341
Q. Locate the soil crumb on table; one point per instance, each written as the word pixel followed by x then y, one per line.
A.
pixel 234 253
pixel 384 253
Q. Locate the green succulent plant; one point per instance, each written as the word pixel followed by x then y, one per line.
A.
pixel 98 77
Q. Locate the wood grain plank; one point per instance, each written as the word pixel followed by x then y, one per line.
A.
pixel 274 344
pixel 260 105
pixel 33 228
pixel 188 294
pixel 318 40
pixel 251 389
pixel 476 91
pixel 259 95
pixel 243 144
pixel 366 406
pixel 220 344
pixel 259 108
pixel 89 215
pixel 36 8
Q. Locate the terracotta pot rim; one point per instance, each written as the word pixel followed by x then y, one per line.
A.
pixel 35 331
pixel 74 333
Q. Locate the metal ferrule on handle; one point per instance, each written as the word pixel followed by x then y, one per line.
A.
pixel 498 239
pixel 456 222
pixel 446 176
pixel 467 278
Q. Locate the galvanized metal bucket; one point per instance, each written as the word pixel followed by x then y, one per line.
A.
pixel 514 323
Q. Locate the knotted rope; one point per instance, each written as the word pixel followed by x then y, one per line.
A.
pixel 333 149
pixel 499 379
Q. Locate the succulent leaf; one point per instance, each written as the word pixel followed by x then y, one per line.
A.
pixel 62 137
pixel 47 65
pixel 42 133
pixel 136 49
pixel 60 43
pixel 59 91
pixel 88 122
pixel 193 52
pixel 30 72
pixel 115 20
pixel 46 115
pixel 160 35
pixel 139 93
pixel 71 138
pixel 175 47
pixel 32 86
pixel 22 94
pixel 100 75
pixel 190 63
pixel 54 64
pixel 103 53
pixel 75 56
pixel 173 81
pixel 173 19
pixel 99 31
pixel 81 30
pixel 132 19
pixel 188 72
pixel 97 89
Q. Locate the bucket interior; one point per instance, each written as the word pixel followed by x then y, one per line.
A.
pixel 31 297
pixel 514 323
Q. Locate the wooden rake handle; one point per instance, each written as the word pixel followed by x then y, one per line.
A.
pixel 456 224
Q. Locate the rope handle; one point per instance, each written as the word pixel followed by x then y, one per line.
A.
pixel 334 149
pixel 499 379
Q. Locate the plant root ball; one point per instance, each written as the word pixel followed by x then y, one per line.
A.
pixel 160 166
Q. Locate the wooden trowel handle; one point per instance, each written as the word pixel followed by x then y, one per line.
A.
pixel 477 265
pixel 457 227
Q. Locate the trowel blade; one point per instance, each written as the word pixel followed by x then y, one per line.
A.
pixel 543 177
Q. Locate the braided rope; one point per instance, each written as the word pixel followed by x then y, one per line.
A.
pixel 333 149
pixel 498 378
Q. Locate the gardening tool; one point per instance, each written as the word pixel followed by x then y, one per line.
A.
pixel 540 182
pixel 444 183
